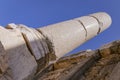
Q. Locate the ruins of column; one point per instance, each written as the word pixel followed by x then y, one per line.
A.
pixel 68 35
pixel 30 50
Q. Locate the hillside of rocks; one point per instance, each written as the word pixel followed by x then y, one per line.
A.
pixel 100 64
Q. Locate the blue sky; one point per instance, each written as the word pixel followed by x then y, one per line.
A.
pixel 38 13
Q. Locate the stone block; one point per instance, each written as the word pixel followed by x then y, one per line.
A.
pixel 20 61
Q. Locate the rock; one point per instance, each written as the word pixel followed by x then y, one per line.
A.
pixel 115 75
pixel 22 64
pixel 3 60
pixel 105 52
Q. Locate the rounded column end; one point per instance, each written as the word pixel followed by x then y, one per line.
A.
pixel 104 19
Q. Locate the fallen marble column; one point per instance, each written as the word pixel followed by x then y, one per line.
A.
pixel 30 50
pixel 58 39
pixel 68 35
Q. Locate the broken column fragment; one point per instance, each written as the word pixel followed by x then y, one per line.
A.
pixel 31 50
pixel 21 63
pixel 68 35
pixel 36 43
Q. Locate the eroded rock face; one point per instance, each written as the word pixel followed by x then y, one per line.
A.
pixel 108 67
pixel 101 64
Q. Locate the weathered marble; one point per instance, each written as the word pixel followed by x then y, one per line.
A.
pixel 20 61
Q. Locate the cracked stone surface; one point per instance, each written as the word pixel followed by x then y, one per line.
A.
pixel 22 65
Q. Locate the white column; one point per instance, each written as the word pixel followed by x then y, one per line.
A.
pixel 68 35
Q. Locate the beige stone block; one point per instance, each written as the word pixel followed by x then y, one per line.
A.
pixel 20 60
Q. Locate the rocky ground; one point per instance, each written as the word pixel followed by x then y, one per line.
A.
pixel 100 64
